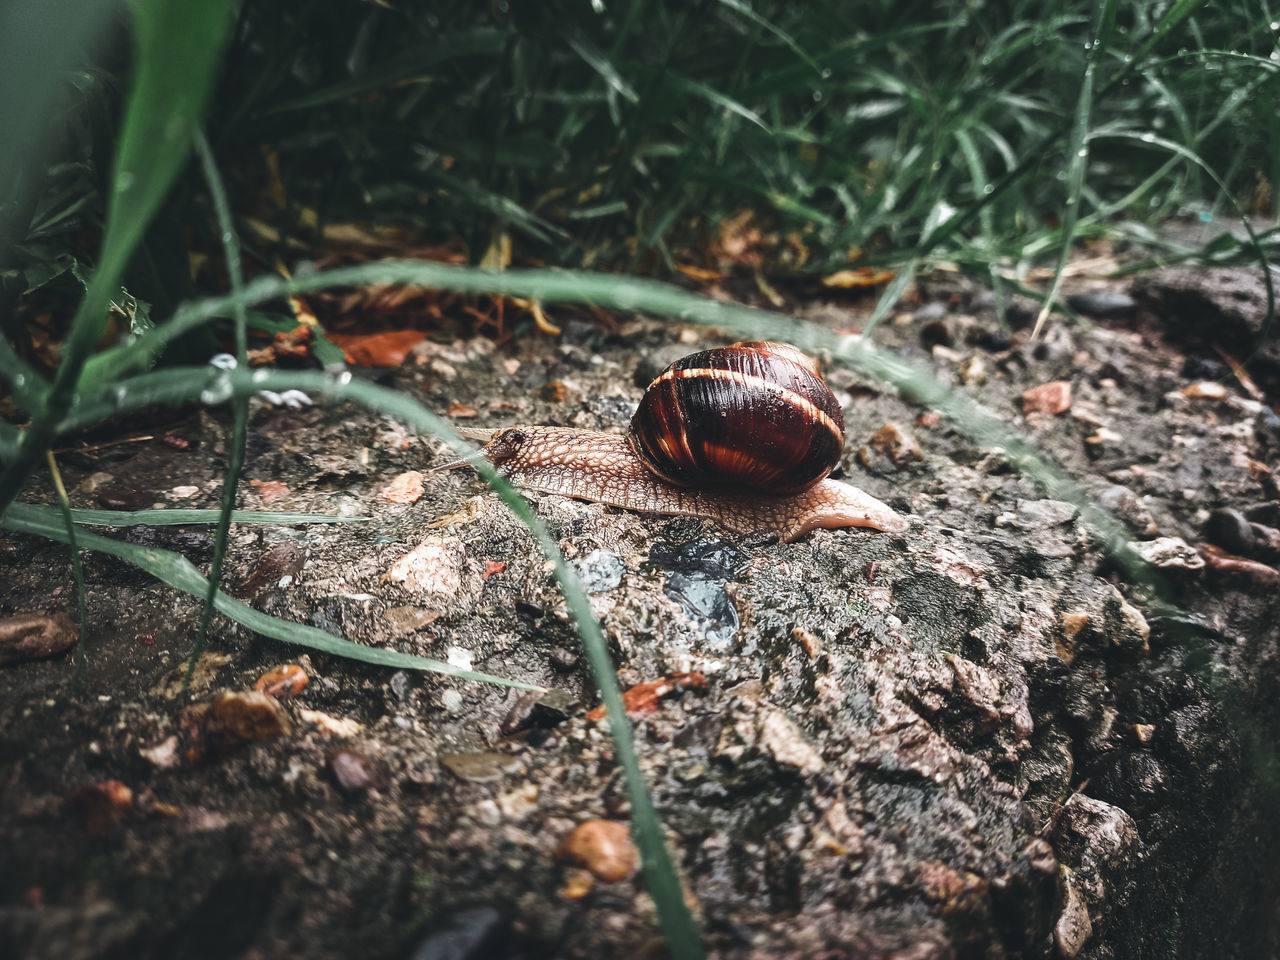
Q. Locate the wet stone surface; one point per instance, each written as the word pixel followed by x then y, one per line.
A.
pixel 975 739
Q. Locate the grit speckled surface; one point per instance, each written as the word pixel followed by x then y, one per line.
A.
pixel 971 740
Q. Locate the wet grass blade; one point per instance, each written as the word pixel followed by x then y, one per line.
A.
pixel 178 46
pixel 180 573
pixel 240 403
pixel 1078 154
pixel 77 568
pixel 173 518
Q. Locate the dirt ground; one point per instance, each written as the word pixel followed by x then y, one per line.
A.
pixel 972 740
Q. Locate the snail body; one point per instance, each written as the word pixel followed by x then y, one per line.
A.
pixel 744 435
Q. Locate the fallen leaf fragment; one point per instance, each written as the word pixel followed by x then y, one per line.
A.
pixel 699 273
pixel 464 514
pixel 386 349
pixel 462 411
pixel 232 719
pixel 1220 561
pixel 602 846
pixel 481 767
pixel 34 636
pixel 101 806
pixel 491 567
pixel 270 490
pixel 857 277
pixel 580 883
pixel 1205 390
pixel 554 391
pixel 406 488
pixel 1051 398
pixel 282 682
pixel 642 699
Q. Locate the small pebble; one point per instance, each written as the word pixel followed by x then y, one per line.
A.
pixel 1230 530
pixel 238 717
pixel 1102 303
pixel 602 846
pixel 451 700
pixel 1202 368
pixel 931 311
pixel 481 767
pixel 1051 398
pixel 600 570
pixel 126 498
pixel 352 772
pixel 1130 508
pixel 993 341
pixel 1169 553
pixel 34 636
pixel 282 682
pixel 935 334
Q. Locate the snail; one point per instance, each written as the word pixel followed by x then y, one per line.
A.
pixel 744 435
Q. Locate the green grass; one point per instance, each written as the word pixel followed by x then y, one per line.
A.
pixel 992 137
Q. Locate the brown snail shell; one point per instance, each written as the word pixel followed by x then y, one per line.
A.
pixel 755 414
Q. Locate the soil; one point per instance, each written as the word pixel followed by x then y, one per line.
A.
pixel 976 739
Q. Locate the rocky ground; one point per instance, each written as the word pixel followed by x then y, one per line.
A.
pixel 975 739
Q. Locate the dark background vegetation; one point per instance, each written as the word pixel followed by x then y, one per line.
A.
pixel 617 136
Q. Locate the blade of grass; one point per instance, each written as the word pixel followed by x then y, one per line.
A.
pixel 240 403
pixel 171 518
pixel 412 62
pixel 9 438
pixel 180 573
pixel 177 48
pixel 1078 153
pixel 77 569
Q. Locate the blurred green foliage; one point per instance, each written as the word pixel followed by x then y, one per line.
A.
pixel 604 133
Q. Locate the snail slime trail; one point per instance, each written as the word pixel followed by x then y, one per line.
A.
pixel 743 435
